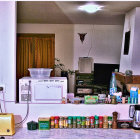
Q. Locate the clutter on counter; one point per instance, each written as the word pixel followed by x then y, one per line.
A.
pixel 73 122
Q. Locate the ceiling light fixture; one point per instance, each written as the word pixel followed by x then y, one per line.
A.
pixel 90 8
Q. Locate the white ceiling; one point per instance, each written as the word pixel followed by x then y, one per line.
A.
pixel 66 12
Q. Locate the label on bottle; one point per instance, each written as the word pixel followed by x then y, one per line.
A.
pixel 113 90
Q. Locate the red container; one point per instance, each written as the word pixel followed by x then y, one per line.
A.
pixel 56 121
pixel 92 122
pixel 100 121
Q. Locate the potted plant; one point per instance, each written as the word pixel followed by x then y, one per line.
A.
pixel 64 72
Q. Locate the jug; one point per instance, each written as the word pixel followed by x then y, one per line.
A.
pixel 134 112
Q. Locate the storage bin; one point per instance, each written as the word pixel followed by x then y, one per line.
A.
pixel 40 72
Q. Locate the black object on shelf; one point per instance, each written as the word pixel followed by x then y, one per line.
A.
pixel 32 125
pixel 65 74
pixel 84 83
pixel 2 137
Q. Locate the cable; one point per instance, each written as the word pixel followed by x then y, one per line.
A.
pixel 27 107
pixel 4 103
pixel 91 44
pixel 1 108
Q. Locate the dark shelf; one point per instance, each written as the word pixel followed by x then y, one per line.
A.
pixel 86 80
pixel 85 86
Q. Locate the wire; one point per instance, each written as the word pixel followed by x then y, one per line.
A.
pixel 4 103
pixel 91 43
pixel 27 107
pixel 1 108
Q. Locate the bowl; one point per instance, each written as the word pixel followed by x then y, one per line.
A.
pixel 40 72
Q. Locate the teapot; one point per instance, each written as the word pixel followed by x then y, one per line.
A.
pixel 134 112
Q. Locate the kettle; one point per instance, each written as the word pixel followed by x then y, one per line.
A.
pixel 134 112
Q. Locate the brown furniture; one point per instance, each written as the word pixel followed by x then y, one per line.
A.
pixel 129 81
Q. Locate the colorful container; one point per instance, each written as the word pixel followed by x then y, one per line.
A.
pixel 44 123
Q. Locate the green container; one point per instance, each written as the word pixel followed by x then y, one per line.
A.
pixel 44 123
pixel 83 123
pixel 91 99
pixel 32 125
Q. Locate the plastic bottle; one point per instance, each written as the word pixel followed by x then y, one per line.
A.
pixel 113 85
pixel 138 96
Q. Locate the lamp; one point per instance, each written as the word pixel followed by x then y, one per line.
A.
pixel 90 8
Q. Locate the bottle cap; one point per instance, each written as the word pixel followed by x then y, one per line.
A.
pixel 78 117
pixel 109 118
pixel 69 118
pixel 83 118
pixel 100 117
pixel 56 117
pixel 74 117
pixel 96 117
pixel 52 117
pixel 92 117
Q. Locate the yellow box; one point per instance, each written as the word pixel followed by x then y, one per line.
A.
pixel 7 124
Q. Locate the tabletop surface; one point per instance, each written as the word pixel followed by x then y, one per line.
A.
pixel 98 133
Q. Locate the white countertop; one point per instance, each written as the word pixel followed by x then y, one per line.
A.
pixel 98 133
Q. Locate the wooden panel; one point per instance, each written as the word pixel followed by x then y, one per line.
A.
pixel 134 79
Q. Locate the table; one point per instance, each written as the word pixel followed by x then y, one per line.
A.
pixel 95 133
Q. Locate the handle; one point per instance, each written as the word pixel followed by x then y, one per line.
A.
pixel 131 111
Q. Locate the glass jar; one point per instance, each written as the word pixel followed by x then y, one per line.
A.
pixel 61 122
pixel 56 121
pixel 78 122
pixel 63 100
pixel 70 122
pixel 109 122
pixel 105 122
pixel 74 122
pixel 100 121
pixel 113 101
pixel 65 122
pixel 52 122
pixel 96 122
pixel 83 123
pixel 87 122
pixel 92 122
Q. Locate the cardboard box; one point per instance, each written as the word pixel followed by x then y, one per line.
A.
pixel 44 123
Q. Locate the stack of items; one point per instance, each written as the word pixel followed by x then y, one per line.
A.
pixel 63 122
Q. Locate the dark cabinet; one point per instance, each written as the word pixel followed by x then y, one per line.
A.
pixel 84 83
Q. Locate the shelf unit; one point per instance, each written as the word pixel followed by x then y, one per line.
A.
pixel 84 83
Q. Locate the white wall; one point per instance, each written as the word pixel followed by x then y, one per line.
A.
pixel 103 40
pixel 7 47
pixel 125 60
pixel 131 61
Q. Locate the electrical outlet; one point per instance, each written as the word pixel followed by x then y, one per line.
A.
pixel 2 87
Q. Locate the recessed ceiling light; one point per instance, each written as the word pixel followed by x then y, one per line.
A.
pixel 90 8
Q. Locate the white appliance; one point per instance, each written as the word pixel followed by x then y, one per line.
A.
pixel 42 90
pixel 85 64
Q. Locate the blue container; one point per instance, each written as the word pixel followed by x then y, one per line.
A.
pixel 134 95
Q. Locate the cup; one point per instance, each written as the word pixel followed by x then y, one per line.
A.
pixel 123 100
